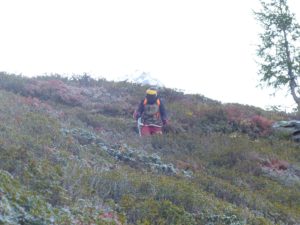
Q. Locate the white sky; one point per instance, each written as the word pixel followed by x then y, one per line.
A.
pixel 205 47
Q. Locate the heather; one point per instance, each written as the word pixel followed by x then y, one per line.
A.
pixel 70 154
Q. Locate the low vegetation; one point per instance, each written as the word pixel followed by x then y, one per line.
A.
pixel 70 154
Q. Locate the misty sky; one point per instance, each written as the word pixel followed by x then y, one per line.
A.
pixel 205 47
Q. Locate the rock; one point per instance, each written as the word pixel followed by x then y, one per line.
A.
pixel 133 157
pixel 282 172
pixel 155 158
pixel 188 173
pixel 275 164
pixel 288 128
pixel 84 137
pixel 291 123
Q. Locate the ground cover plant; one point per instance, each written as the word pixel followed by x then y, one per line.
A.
pixel 70 154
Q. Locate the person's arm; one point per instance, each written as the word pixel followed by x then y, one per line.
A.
pixel 138 113
pixel 163 113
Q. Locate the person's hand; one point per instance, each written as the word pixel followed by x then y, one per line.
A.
pixel 135 115
pixel 165 122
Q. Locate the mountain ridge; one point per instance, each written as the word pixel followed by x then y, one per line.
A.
pixel 143 78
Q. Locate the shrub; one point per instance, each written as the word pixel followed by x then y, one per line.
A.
pixel 151 211
pixel 55 90
pixel 12 82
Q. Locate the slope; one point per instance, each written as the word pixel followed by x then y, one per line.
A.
pixel 70 154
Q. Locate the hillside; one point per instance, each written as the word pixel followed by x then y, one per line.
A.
pixel 70 154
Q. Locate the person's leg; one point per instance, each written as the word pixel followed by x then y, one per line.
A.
pixel 155 130
pixel 145 131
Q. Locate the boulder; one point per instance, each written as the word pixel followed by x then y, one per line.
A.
pixel 288 129
pixel 287 177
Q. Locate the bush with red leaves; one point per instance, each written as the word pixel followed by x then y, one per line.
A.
pixel 55 90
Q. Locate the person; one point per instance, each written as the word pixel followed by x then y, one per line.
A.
pixel 151 114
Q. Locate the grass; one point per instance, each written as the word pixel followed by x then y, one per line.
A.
pixel 53 169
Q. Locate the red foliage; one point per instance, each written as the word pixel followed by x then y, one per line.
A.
pixel 189 166
pixel 98 129
pixel 248 119
pixel 56 90
pixel 234 114
pixel 276 164
pixel 262 123
pixel 35 102
pixel 31 101
pixel 110 216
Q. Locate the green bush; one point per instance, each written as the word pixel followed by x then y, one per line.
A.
pixel 63 169
pixel 151 211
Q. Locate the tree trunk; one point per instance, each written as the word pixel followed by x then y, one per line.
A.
pixel 292 83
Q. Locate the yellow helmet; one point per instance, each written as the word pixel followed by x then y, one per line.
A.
pixel 151 91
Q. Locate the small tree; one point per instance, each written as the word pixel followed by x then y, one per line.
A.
pixel 279 50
